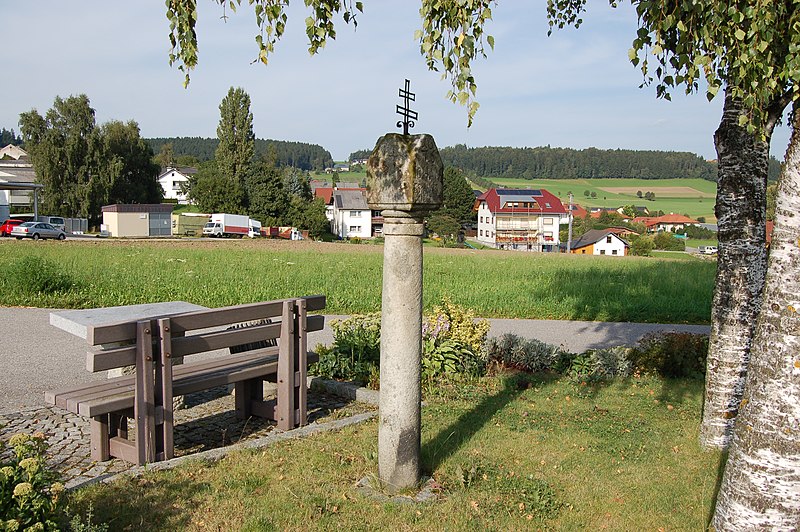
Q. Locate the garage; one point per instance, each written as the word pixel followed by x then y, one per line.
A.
pixel 138 220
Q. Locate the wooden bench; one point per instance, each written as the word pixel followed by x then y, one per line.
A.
pixel 151 345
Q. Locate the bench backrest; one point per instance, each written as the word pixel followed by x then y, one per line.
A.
pixel 198 332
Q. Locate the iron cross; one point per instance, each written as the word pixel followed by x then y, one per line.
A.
pixel 404 110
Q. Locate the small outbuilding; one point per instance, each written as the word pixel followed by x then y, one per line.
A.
pixel 600 242
pixel 142 220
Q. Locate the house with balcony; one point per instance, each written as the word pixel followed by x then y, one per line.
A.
pixel 523 220
pixel 174 182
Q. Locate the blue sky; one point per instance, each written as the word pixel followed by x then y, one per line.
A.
pixel 573 89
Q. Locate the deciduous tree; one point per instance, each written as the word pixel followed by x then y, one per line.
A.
pixel 63 146
pixel 129 170
pixel 747 48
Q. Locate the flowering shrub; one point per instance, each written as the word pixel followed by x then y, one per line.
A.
pixel 451 340
pixel 456 323
pixel 29 497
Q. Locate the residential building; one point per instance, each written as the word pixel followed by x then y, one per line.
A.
pixel 526 220
pixel 326 194
pixel 352 217
pixel 17 180
pixel 174 181
pixel 600 242
pixel 668 222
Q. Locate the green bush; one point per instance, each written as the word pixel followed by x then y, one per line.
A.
pixel 29 497
pixel 34 275
pixel 667 242
pixel 642 245
pixel 671 354
pixel 355 353
pixel 600 364
pixel 530 355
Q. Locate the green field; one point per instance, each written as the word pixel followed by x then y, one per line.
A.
pixel 493 283
pixel 695 197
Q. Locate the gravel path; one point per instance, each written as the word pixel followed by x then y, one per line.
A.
pixel 35 356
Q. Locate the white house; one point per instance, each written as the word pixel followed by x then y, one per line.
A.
pixel 173 181
pixel 600 242
pixel 526 220
pixel 352 217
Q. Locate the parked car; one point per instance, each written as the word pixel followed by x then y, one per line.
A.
pixel 8 225
pixel 708 250
pixel 37 230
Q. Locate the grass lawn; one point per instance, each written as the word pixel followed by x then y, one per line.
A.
pixel 341 177
pixel 697 242
pixel 695 197
pixel 509 453
pixel 675 255
pixel 227 272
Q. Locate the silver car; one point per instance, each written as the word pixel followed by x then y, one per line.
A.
pixel 37 230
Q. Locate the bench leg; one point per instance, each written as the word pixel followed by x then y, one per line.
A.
pixel 118 425
pixel 98 430
pixel 247 393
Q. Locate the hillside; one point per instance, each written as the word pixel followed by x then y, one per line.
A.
pixel 297 154
pixel 591 163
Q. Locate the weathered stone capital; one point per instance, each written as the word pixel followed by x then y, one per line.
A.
pixel 405 174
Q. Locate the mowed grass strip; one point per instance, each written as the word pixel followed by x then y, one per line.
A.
pixel 493 283
pixel 508 453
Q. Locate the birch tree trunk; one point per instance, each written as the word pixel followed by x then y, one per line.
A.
pixel 743 160
pixel 761 484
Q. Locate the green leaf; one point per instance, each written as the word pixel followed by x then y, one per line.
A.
pixel 490 40
pixel 739 34
pixel 632 54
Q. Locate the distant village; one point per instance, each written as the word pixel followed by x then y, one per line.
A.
pixel 510 219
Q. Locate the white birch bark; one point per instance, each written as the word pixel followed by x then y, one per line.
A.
pixel 742 261
pixel 761 484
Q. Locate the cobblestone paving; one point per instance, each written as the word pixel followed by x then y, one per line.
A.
pixel 208 421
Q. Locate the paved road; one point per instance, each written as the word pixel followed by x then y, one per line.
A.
pixel 35 356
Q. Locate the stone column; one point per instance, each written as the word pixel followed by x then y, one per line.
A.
pixel 404 181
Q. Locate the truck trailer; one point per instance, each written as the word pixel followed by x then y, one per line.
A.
pixel 222 224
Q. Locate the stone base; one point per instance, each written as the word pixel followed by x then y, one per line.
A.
pixel 429 491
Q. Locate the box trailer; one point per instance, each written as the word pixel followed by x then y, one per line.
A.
pixel 222 224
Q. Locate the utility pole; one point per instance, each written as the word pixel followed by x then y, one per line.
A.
pixel 569 225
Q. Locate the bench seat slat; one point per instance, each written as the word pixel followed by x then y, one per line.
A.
pixel 116 394
pixel 57 397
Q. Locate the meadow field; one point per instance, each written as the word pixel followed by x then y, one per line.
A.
pixel 695 197
pixel 494 283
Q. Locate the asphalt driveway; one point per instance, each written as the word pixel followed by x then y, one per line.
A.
pixel 35 356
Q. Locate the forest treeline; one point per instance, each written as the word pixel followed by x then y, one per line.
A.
pixel 297 154
pixel 567 163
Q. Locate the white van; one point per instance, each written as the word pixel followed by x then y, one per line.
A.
pixel 708 250
pixel 55 221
